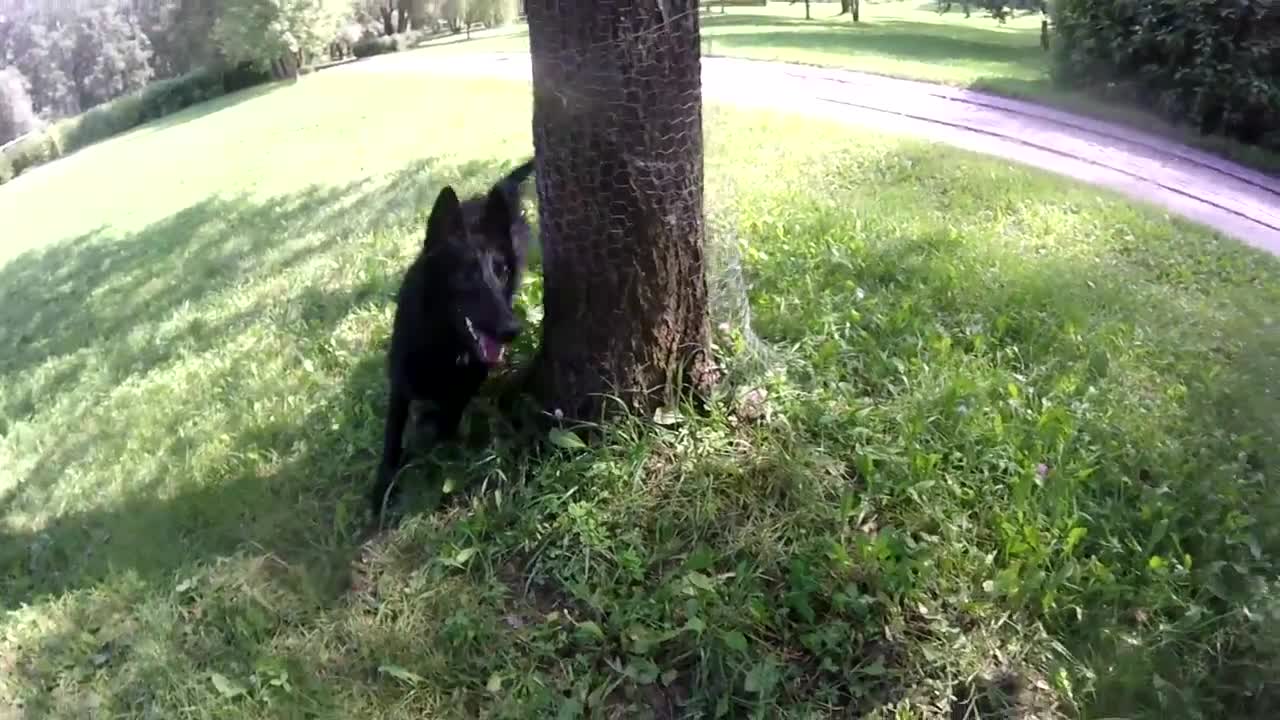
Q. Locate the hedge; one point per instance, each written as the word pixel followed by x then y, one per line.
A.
pixel 1214 64
pixel 390 43
pixel 123 113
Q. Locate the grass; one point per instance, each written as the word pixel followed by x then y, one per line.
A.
pixel 1003 440
pixel 911 40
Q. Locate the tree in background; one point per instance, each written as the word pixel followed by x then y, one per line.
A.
pixel 42 52
pixel 944 6
pixel 77 55
pixel 181 34
pixel 110 55
pixel 74 61
pixel 17 115
pixel 274 34
pixel 617 128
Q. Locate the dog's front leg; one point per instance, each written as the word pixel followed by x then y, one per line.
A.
pixel 448 418
pixel 392 450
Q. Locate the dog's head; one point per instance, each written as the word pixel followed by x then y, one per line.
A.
pixel 472 244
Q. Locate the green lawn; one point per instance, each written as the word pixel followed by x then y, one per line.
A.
pixel 911 40
pixel 1016 428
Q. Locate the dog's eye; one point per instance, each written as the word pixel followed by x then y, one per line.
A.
pixel 499 267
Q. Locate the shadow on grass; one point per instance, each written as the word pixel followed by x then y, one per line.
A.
pixel 290 521
pixel 98 291
pixel 98 300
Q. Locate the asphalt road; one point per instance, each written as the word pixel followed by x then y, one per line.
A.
pixel 1238 202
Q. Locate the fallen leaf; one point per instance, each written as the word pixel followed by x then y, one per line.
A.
pixel 400 673
pixel 226 687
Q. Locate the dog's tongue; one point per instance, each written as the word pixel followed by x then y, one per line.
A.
pixel 491 350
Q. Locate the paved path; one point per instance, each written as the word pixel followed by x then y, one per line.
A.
pixel 1223 195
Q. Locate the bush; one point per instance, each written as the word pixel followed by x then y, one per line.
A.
pixel 375 46
pixel 6 169
pixel 169 96
pixel 103 121
pixel 389 43
pixel 243 75
pixel 36 148
pixel 1214 64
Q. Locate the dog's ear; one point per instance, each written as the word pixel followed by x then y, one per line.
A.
pixel 446 220
pixel 497 209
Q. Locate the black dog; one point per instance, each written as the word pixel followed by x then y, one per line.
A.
pixel 454 312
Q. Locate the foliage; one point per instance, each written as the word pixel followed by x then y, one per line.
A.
pixel 44 53
pixel 169 96
pixel 241 76
pixel 371 46
pixel 181 34
pixel 34 148
pixel 97 123
pixel 368 47
pixel 491 13
pixel 263 32
pixel 17 116
pixel 77 57
pixel 77 61
pixel 110 55
pixel 1214 64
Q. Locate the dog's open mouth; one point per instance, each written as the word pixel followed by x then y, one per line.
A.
pixel 488 349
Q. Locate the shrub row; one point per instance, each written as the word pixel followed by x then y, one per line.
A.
pixel 1214 64
pixel 124 113
pixel 390 43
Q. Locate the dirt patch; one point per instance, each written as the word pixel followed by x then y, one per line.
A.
pixel 534 597
pixel 1006 695
pixel 654 702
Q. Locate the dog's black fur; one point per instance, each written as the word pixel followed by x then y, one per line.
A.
pixel 454 313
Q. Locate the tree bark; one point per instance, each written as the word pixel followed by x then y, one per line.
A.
pixel 387 27
pixel 617 128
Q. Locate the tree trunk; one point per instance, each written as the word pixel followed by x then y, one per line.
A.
pixel 857 10
pixel 617 130
pixel 806 10
pixel 387 27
